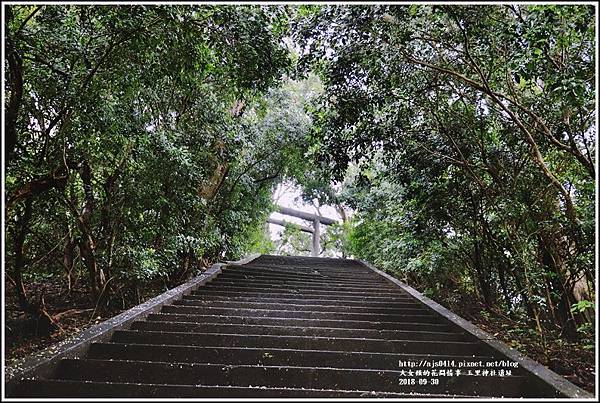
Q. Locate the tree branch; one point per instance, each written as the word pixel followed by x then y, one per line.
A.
pixel 535 151
pixel 497 96
pixel 29 17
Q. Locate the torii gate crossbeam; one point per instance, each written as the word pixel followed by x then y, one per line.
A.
pixel 316 225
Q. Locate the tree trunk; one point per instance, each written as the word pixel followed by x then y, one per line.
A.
pixel 523 292
pixel 15 81
pixel 481 278
pixel 503 284
pixel 551 259
pixel 87 245
pixel 69 259
pixel 176 277
pixel 43 323
pixel 550 302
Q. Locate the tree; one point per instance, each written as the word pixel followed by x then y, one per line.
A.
pixel 129 155
pixel 473 130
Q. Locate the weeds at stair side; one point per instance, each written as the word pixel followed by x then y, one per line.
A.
pixel 574 361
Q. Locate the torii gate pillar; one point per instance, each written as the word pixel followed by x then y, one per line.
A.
pixel 315 249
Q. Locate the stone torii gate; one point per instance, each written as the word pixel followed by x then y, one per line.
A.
pixel 317 220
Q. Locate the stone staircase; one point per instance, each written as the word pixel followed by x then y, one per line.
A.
pixel 288 327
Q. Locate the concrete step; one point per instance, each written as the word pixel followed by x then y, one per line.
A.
pixel 304 284
pixel 402 303
pixel 303 288
pixel 234 276
pixel 303 261
pixel 299 274
pixel 290 295
pixel 285 327
pixel 299 261
pixel 308 274
pixel 299 342
pixel 337 323
pixel 279 377
pixel 412 309
pixel 301 291
pixel 368 279
pixel 54 388
pixel 357 272
pixel 192 327
pixel 307 263
pixel 292 313
pixel 261 356
pixel 366 298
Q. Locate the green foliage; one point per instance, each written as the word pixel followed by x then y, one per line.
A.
pixel 582 306
pixel 177 113
pixel 294 242
pixel 471 128
pixel 144 142
pixel 337 238
pixel 260 242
